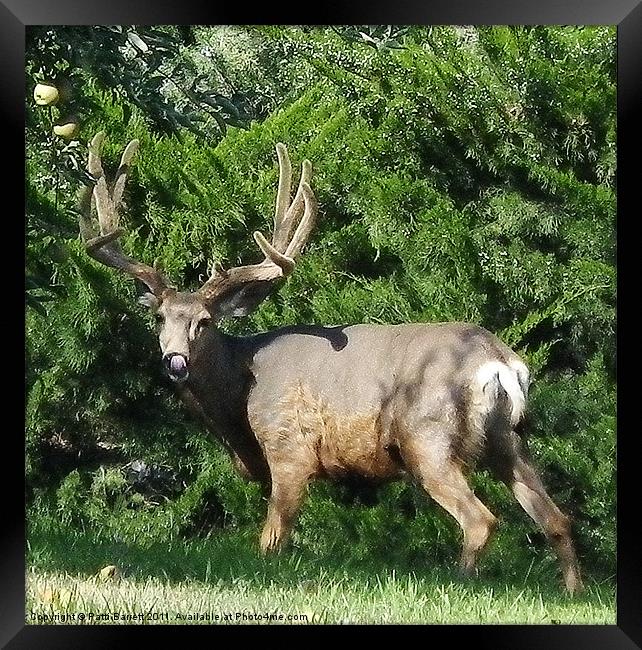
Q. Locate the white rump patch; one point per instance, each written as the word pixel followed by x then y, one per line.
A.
pixel 523 376
pixel 513 379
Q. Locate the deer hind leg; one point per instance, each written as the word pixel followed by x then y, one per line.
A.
pixel 445 482
pixel 532 496
pixel 513 468
pixel 449 489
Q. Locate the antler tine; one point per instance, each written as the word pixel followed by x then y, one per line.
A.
pixel 283 194
pixel 287 214
pixel 281 239
pixel 123 169
pixel 285 263
pixel 306 224
pixel 289 246
pixel 106 219
pixel 104 247
pixel 94 164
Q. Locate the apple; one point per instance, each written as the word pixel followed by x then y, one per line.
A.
pixel 45 94
pixel 66 128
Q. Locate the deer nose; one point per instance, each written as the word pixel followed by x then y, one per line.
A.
pixel 176 366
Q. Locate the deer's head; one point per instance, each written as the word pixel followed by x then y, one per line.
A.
pixel 184 316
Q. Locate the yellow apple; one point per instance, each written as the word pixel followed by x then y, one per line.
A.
pixel 45 94
pixel 66 129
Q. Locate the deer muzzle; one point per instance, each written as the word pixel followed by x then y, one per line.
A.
pixel 176 366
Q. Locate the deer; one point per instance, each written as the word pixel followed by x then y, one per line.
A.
pixel 425 402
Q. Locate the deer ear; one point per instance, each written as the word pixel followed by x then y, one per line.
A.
pixel 233 305
pixel 149 300
pixel 242 301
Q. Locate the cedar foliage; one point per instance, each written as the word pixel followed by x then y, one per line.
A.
pixel 462 173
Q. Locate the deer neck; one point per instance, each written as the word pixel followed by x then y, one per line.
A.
pixel 216 393
pixel 218 374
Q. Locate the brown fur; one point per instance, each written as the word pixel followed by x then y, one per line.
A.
pixel 340 443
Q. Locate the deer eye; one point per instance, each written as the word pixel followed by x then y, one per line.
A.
pixel 158 318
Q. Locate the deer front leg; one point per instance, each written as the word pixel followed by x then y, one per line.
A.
pixel 283 506
pixel 292 463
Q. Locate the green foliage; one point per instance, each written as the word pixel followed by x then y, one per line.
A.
pixel 462 174
pixel 70 498
pixel 144 64
pixel 138 67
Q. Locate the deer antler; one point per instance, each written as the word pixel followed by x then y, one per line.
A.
pixel 287 242
pixel 104 247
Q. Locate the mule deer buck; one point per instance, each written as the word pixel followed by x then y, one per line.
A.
pixel 425 401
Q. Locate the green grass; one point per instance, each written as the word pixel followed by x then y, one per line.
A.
pixel 224 575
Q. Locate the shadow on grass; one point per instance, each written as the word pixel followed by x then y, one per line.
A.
pixel 232 557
